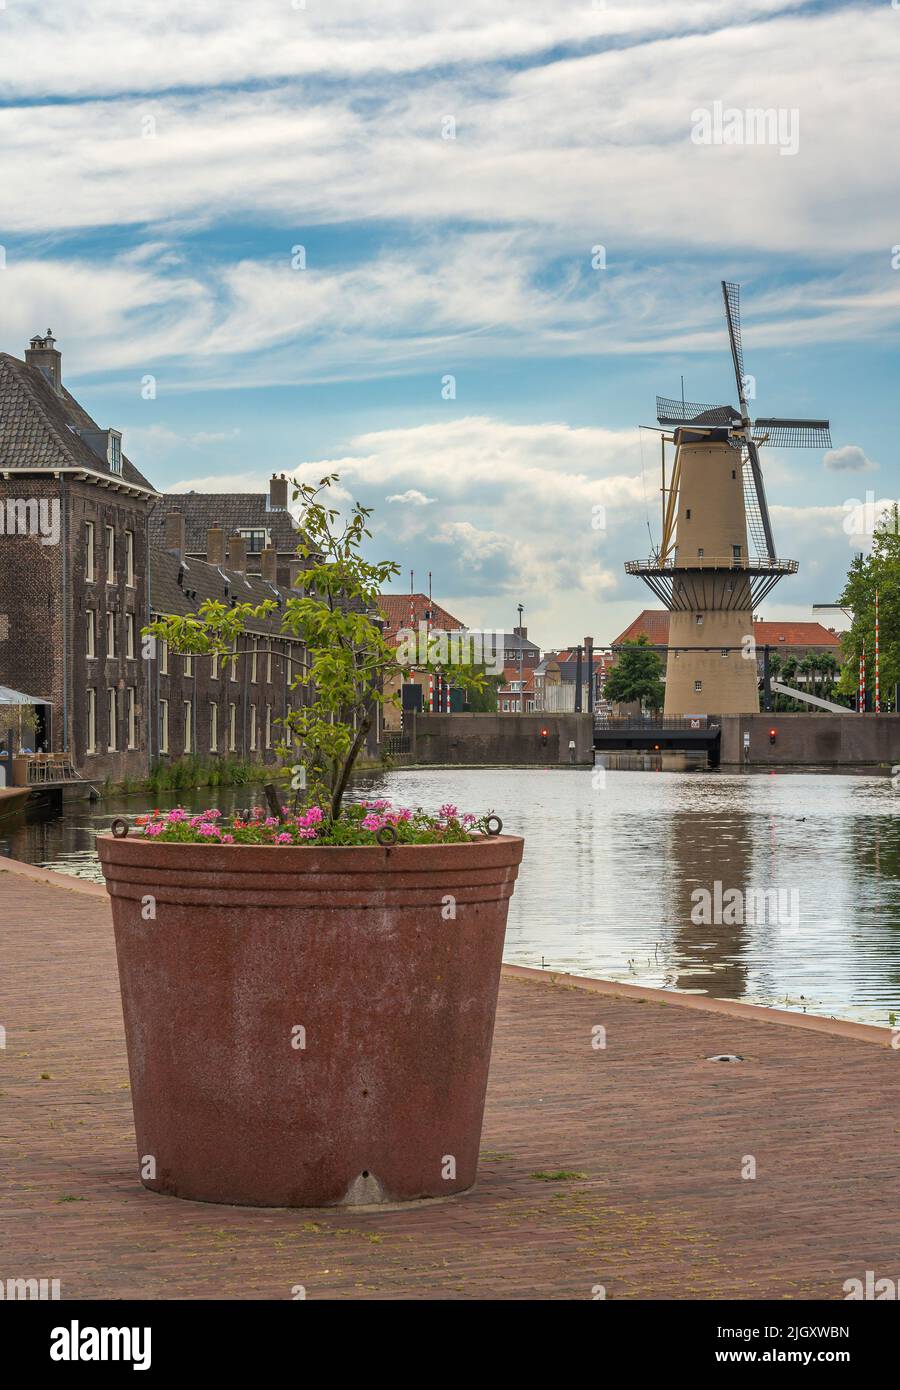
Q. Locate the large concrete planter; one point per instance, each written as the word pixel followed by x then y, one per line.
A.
pixel 309 1027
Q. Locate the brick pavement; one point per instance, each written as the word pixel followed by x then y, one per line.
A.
pixel 658 1133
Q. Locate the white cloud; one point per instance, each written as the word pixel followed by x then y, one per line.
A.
pixel 849 459
pixel 412 496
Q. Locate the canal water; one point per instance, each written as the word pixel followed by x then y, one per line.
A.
pixel 779 889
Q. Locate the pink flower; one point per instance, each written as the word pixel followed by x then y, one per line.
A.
pixel 204 828
pixel 177 815
pixel 154 828
pixel 227 839
pixel 212 815
pixel 372 822
pixel 448 811
pixel 306 832
pixel 284 839
pixel 313 815
pixel 271 820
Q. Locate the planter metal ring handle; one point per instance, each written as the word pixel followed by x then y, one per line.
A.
pixel 120 828
pixel 387 835
pixel 491 823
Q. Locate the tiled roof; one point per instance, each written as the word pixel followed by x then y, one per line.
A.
pixel 233 511
pixel 396 609
pixel 37 426
pixel 207 582
pixel 511 673
pixel 794 635
pixel 653 623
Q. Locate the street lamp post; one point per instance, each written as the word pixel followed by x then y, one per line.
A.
pixel 521 664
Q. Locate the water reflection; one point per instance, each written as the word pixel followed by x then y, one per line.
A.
pixel 611 865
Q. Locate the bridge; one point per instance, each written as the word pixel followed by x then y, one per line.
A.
pixel 694 733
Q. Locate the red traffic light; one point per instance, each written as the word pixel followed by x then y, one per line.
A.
pixel 773 734
pixel 544 736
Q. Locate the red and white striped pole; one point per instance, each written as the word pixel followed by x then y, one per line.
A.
pixel 877 670
pixel 862 678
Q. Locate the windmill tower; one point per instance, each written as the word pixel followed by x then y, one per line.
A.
pixel 717 559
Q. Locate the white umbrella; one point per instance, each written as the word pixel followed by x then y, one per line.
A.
pixel 8 696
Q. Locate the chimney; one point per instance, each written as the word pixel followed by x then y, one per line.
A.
pixel 175 532
pixel 237 553
pixel 520 632
pixel 296 575
pixel 42 353
pixel 278 493
pixel 215 545
pixel 268 564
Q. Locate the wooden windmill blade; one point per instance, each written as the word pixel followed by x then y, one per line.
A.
pixel 731 294
pixel 792 434
pixel 758 519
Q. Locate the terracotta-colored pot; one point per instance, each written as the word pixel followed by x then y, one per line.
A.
pixel 309 1026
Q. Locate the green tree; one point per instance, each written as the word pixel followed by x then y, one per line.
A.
pixel 879 570
pixel 637 675
pixel 349 661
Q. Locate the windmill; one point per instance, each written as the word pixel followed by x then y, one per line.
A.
pixel 774 430
pixel 703 571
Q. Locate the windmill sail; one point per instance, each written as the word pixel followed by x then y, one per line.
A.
pixel 762 507
pixel 731 293
pixel 674 412
pixel 793 434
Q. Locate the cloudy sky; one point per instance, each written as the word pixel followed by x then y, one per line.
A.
pixel 364 237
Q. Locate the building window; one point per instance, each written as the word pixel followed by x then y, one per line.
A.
pixel 132 717
pixel 253 659
pixel 110 636
pixel 232 728
pixel 252 728
pixel 129 636
pixel 256 539
pixel 89 571
pixel 90 620
pixel 724 651
pixel 234 660
pixel 688 514
pixel 735 552
pixel 214 667
pixel 268 726
pixel 269 665
pixel 698 686
pixel 187 710
pixel 700 551
pixel 111 720
pixel 734 473
pixel 115 452
pixel 129 559
pixel 213 727
pixel 163 726
pixel 188 665
pixel 91 720
pixel 110 555
pixel 506 706
pixel 163 657
pixel 699 619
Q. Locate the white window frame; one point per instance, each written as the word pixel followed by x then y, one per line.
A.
pixel 90 635
pixel 112 721
pixel 163 652
pixel 253 663
pixel 269 665
pixel 111 651
pixel 188 665
pixel 214 667
pixel 234 657
pixel 187 714
pixel 131 711
pixel 268 726
pixel 253 728
pixel 129 636
pixel 129 559
pixel 232 728
pixel 110 554
pixel 90 557
pixel 213 727
pixel 91 733
pixel 163 726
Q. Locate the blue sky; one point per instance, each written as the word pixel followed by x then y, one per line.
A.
pixel 161 165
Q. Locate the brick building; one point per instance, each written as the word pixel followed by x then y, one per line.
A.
pixel 89 553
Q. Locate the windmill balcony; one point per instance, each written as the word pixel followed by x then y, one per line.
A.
pixel 702 583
